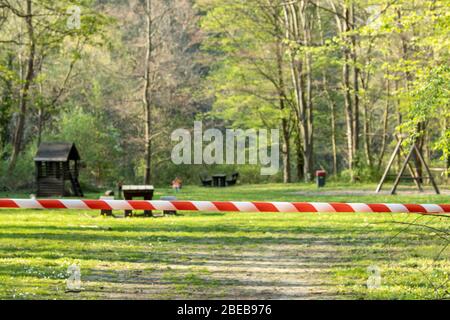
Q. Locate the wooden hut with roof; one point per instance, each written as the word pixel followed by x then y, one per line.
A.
pixel 57 170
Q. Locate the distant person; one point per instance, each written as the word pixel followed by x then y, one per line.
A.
pixel 176 184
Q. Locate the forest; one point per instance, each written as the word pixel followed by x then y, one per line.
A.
pixel 339 79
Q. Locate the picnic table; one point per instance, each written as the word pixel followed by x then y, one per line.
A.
pixel 219 180
pixel 133 191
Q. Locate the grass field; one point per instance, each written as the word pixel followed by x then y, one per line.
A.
pixel 229 255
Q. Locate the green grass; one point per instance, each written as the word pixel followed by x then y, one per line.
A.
pixel 228 255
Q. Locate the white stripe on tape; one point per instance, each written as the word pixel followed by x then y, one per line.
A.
pixel 28 203
pixel 323 207
pixel 163 205
pixel 285 207
pixel 396 207
pixel 74 204
pixel 205 206
pixel 245 206
pixel 119 204
pixel 433 208
pixel 360 207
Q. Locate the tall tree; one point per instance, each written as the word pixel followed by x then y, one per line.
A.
pixel 147 97
pixel 298 32
pixel 27 82
pixel 38 30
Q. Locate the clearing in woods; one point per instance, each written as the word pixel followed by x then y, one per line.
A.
pixel 229 255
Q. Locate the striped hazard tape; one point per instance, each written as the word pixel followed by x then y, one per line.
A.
pixel 224 206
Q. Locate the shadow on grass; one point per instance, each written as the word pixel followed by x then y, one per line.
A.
pixel 231 249
pixel 200 235
pixel 118 245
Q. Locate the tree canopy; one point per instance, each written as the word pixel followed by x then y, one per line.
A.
pixel 338 78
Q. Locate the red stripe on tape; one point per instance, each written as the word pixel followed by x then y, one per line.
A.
pixel 141 205
pixel 379 207
pixel 52 204
pixel 304 207
pixel 265 207
pixel 417 208
pixel 225 206
pixel 97 204
pixel 184 205
pixel 6 203
pixel 342 207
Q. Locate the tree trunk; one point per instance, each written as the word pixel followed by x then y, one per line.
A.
pixel 301 69
pixel 348 112
pixel 367 120
pixel 447 169
pixel 385 125
pixel 343 25
pixel 332 106
pixel 309 150
pixel 331 102
pixel 286 151
pixel 447 157
pixel 148 94
pixel 356 72
pixel 367 140
pixel 347 96
pixel 408 80
pixel 399 118
pixel 300 162
pixel 40 125
pixel 19 132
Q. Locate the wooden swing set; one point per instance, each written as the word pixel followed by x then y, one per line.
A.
pixel 415 174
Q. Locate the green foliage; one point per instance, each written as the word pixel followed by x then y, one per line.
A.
pixel 242 81
pixel 233 51
pixel 96 140
pixel 431 102
pixel 22 177
pixel 235 102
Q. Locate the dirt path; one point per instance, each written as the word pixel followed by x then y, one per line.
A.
pixel 287 271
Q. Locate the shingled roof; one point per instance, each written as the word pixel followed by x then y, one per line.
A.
pixel 57 151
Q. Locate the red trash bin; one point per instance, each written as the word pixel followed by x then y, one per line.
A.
pixel 321 178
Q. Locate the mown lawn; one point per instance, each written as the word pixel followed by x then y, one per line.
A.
pixel 229 255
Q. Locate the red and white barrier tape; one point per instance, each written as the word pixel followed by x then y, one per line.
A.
pixel 224 206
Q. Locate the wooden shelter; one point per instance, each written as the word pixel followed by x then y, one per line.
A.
pixel 57 170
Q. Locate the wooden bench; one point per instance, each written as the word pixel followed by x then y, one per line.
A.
pixel 219 180
pixel 233 179
pixel 133 191
pixel 206 181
